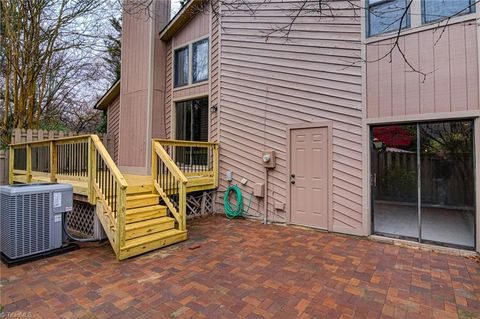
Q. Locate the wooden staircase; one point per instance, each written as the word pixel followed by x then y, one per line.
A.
pixel 128 206
pixel 147 224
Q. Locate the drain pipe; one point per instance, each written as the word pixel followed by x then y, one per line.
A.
pixel 265 204
pixel 268 158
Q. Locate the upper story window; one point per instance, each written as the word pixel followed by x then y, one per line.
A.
pixel 181 66
pixel 386 16
pixel 434 10
pixel 197 54
pixel 200 61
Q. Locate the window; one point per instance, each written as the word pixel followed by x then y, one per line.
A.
pixel 423 185
pixel 434 10
pixel 386 16
pixel 198 72
pixel 192 125
pixel 200 61
pixel 181 67
pixel 192 120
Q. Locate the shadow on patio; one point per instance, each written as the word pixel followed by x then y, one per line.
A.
pixel 234 268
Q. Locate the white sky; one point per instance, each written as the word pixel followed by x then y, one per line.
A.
pixel 175 7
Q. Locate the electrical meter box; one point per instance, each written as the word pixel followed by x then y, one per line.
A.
pixel 268 159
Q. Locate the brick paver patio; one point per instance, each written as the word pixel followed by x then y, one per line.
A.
pixel 238 268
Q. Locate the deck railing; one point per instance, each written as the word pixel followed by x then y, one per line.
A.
pixel 175 164
pixel 77 159
pixel 193 158
pixel 63 158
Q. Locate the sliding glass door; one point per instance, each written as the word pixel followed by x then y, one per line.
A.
pixel 423 182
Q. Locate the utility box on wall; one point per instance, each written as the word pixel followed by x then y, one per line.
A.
pixel 259 190
pixel 268 159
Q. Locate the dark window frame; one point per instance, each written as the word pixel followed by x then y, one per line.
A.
pixel 207 39
pixel 175 63
pixel 379 3
pixel 424 15
pixel 372 182
pixel 190 104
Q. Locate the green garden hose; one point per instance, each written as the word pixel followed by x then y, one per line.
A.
pixel 232 210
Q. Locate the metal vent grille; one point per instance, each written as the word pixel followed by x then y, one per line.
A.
pixel 7 228
pixel 25 224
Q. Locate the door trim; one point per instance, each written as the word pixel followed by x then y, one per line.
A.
pixel 288 207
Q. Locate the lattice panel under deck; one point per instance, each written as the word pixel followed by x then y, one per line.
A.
pixel 82 219
pixel 198 203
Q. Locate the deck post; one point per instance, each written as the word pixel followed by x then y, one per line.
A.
pixel 53 162
pixel 182 205
pixel 154 165
pixel 121 211
pixel 29 164
pixel 11 164
pixel 92 169
pixel 215 165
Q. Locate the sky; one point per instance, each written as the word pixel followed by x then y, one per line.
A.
pixel 175 7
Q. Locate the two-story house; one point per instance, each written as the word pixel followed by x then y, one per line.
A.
pixel 368 109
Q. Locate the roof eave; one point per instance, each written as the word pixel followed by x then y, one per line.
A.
pixel 181 18
pixel 108 97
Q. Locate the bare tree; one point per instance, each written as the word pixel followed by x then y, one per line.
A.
pixel 50 57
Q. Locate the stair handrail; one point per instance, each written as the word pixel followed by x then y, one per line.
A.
pixel 109 161
pixel 180 214
pixel 113 198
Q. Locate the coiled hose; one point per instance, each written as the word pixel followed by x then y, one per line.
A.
pixel 232 210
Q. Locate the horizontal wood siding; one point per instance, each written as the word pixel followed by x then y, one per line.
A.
pixel 196 90
pixel 113 125
pixel 269 81
pixel 447 55
pixel 198 27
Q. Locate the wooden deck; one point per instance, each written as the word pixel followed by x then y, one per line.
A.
pixel 138 213
pixel 196 183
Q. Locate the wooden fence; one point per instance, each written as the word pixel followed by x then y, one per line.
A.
pixel 24 135
pixel 446 182
pixel 3 167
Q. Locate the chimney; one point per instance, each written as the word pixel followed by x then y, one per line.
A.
pixel 142 82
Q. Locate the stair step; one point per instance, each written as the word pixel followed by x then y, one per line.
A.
pixel 148 227
pixel 136 201
pixel 139 189
pixel 151 242
pixel 143 213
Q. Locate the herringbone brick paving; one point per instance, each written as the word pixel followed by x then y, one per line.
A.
pixel 243 269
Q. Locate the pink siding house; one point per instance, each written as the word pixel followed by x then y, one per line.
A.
pixel 373 131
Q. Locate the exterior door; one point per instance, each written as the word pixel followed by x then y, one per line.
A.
pixel 423 182
pixel 309 177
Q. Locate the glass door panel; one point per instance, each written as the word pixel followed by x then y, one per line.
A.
pixel 394 179
pixel 447 183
